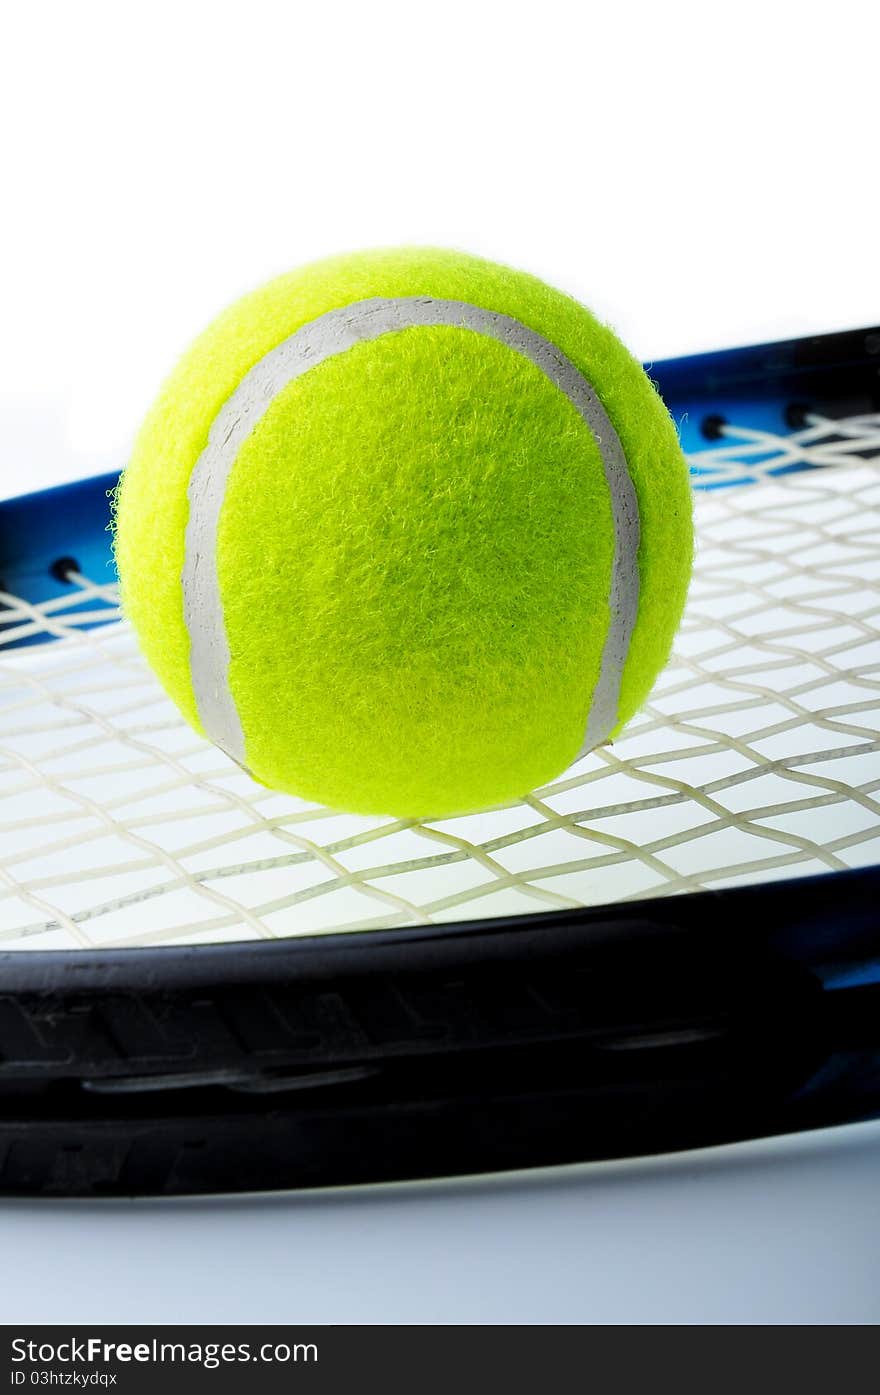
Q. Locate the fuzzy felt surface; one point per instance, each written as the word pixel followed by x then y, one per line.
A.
pixel 415 547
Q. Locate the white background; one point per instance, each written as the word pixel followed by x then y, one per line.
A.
pixel 700 175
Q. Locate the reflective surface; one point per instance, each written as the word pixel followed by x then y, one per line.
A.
pixel 784 1230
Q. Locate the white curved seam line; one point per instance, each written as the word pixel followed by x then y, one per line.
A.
pixel 333 333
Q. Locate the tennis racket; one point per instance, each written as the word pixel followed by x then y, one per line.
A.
pixel 207 986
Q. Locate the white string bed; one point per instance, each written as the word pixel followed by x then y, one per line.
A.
pixel 757 757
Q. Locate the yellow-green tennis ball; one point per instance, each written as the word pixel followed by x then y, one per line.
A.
pixel 406 532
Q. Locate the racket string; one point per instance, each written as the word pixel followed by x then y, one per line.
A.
pixel 757 756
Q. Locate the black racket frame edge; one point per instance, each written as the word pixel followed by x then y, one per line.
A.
pixel 435 1051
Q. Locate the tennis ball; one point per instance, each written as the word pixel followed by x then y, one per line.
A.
pixel 405 533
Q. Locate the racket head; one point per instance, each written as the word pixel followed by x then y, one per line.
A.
pixel 572 978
